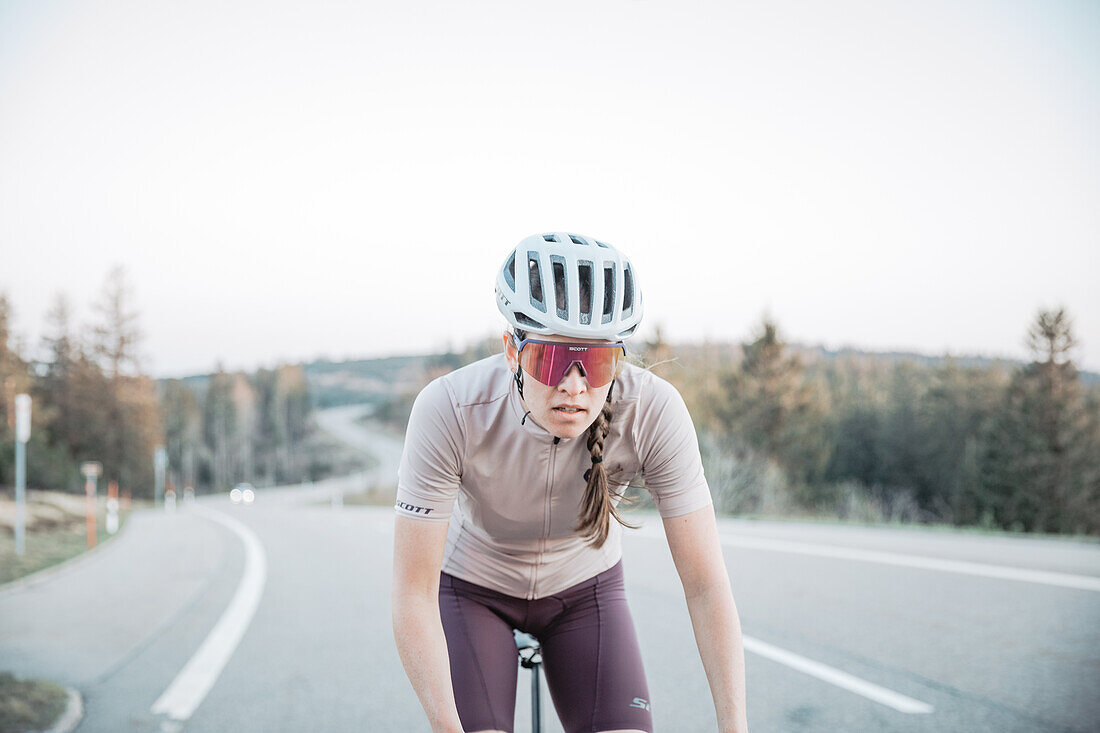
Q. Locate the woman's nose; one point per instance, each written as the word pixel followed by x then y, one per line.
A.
pixel 573 382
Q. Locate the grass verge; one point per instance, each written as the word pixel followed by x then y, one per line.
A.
pixel 50 542
pixel 930 527
pixel 29 704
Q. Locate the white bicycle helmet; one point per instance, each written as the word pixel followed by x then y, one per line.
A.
pixel 554 271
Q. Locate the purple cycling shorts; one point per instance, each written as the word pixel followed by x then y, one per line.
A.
pixel 589 653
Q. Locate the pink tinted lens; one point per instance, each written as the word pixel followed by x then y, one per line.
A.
pixel 550 362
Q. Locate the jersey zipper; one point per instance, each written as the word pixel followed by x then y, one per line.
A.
pixel 546 518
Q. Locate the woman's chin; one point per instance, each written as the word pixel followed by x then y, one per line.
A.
pixel 567 427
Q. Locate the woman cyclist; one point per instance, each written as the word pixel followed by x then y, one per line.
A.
pixel 511 473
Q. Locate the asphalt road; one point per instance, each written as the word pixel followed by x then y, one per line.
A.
pixel 846 628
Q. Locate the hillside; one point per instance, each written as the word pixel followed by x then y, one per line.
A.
pixel 369 380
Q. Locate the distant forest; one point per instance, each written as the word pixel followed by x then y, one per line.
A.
pixel 995 445
pixel 92 402
pixel 794 431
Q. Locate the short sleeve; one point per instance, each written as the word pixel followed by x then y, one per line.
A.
pixel 431 462
pixel 669 451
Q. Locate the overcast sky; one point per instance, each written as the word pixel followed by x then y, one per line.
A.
pixel 283 181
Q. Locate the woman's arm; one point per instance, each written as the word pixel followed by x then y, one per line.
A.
pixel 693 540
pixel 417 629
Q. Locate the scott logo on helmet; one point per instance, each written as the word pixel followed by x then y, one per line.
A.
pixel 412 508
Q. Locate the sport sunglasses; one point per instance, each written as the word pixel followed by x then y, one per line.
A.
pixel 550 361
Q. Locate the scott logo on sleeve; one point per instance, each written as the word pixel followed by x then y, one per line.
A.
pixel 413 508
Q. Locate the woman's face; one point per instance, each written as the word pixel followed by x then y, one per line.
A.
pixel 549 405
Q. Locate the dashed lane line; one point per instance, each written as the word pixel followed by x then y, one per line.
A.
pixel 834 676
pixel 960 567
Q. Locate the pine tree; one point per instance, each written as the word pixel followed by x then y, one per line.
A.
pixel 771 405
pixel 219 424
pixel 181 418
pixel 951 413
pixel 1039 465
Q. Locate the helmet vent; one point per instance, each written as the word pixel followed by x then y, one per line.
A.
pixel 608 294
pixel 584 269
pixel 524 320
pixel 577 240
pixel 557 264
pixel 549 237
pixel 628 291
pixel 535 281
pixel 510 272
pixel 601 244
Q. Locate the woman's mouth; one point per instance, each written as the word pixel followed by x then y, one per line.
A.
pixel 568 409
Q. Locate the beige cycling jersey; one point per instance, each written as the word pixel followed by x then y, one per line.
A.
pixel 512 492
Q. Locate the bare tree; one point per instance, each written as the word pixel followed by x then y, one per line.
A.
pixel 116 332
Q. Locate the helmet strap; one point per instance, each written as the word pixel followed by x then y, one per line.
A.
pixel 518 374
pixel 519 385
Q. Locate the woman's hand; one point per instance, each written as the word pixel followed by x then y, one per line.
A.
pixel 697 552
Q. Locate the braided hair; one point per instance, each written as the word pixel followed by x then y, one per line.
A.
pixel 597 506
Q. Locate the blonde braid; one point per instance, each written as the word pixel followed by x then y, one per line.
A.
pixel 596 505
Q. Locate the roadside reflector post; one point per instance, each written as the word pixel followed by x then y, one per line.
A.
pixel 22 435
pixel 112 507
pixel 91 471
pixel 160 463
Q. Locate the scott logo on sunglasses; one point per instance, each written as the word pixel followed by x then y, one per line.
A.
pixel 578 348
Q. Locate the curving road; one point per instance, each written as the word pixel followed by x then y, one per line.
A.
pixel 173 626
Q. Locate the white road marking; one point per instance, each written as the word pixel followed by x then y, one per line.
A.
pixel 834 676
pixel 1000 572
pixel 194 681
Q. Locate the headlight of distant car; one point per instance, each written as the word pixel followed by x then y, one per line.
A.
pixel 248 496
pixel 235 496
